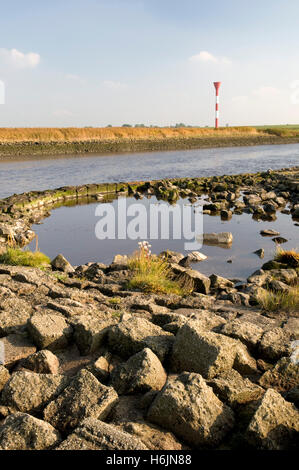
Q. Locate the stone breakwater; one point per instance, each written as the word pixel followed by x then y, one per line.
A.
pixel 87 364
pixel 260 194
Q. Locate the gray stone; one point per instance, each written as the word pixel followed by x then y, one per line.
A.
pixel 49 331
pixel 29 392
pixel 90 332
pixel 141 373
pixel 275 424
pixel 218 282
pixel 199 282
pixel 190 409
pixel 61 264
pixel 207 353
pixel 21 431
pixel 275 344
pixel 234 390
pixel 13 348
pixel 84 397
pixel 131 336
pixel 42 362
pixel 283 376
pixel 93 434
pixel 248 333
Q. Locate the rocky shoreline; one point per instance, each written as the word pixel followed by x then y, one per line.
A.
pixel 89 364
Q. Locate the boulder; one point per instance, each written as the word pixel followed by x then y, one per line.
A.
pixel 231 388
pixel 84 397
pixel 218 282
pixel 42 362
pixel 197 281
pixel 90 332
pixel 197 350
pixel 29 392
pixel 190 409
pixel 282 377
pixel 93 434
pixel 49 331
pixel 4 376
pixel 131 336
pixel 244 363
pixel 248 333
pixel 275 424
pixel 274 344
pixel 61 264
pixel 13 348
pixel 141 373
pixel 20 431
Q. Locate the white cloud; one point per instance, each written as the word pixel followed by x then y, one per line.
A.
pixel 205 56
pixel 19 59
pixel 114 85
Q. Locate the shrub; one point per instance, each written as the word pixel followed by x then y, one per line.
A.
pixel 290 257
pixel 288 301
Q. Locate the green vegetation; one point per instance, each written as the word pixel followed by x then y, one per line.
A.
pixel 151 274
pixel 271 301
pixel 18 257
pixel 115 300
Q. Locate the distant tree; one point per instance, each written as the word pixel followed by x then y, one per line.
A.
pixel 180 124
pixel 126 125
pixel 140 125
pixel 109 125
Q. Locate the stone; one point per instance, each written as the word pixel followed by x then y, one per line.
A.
pixel 260 252
pixel 244 363
pixel 248 333
pixel 279 240
pixel 90 332
pixel 29 392
pixel 269 232
pixel 197 350
pixel 131 336
pixel 84 397
pixel 101 368
pixel 190 409
pixel 61 264
pixel 275 424
pixel 20 431
pixel 196 256
pixel 199 282
pixel 283 376
pixel 231 388
pixel 222 238
pixel 49 331
pixel 42 362
pixel 141 373
pixel 13 348
pixel 274 344
pixel 4 376
pixel 218 282
pixel 14 313
pixel 93 434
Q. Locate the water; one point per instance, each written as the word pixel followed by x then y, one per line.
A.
pixel 19 175
pixel 71 231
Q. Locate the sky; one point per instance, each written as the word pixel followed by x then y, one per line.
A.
pixel 110 62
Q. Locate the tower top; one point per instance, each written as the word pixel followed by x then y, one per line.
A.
pixel 217 85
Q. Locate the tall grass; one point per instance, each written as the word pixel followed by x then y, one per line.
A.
pixel 289 257
pixel 288 301
pixel 75 134
pixel 18 257
pixel 151 274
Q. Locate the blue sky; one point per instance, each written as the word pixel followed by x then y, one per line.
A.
pixel 99 62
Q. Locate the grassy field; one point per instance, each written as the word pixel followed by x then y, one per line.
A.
pixel 76 134
pixel 76 140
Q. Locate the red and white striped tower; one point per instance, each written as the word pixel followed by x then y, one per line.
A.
pixel 217 86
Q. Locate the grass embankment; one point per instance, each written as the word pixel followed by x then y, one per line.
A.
pixel 50 141
pixel 151 274
pixel 287 301
pixel 18 257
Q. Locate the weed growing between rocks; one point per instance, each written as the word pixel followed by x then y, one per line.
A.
pixel 18 257
pixel 151 274
pixel 289 257
pixel 272 301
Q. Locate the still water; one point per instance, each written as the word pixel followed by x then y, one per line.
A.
pixel 18 175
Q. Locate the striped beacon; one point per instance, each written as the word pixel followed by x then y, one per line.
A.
pixel 217 86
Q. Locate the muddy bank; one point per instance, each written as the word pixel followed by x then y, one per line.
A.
pixel 13 149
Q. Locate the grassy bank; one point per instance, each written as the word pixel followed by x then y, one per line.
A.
pixel 51 141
